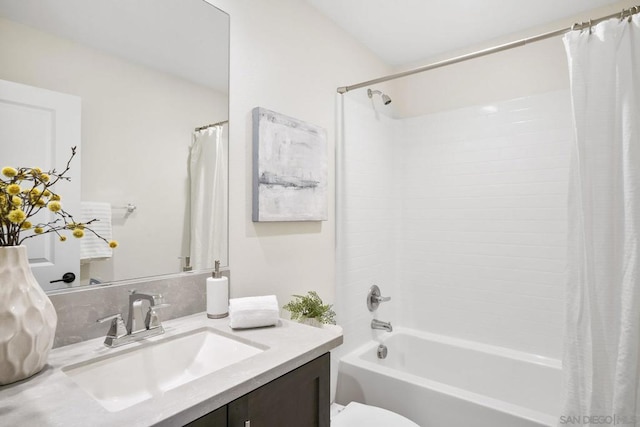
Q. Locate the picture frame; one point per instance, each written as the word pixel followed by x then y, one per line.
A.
pixel 289 169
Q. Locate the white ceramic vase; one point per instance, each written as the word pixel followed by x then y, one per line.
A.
pixel 27 318
pixel 311 321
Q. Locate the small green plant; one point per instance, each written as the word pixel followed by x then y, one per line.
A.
pixel 311 307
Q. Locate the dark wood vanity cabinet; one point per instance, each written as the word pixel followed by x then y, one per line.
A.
pixel 217 418
pixel 297 399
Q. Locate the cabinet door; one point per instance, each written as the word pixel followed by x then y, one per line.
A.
pixel 217 418
pixel 297 399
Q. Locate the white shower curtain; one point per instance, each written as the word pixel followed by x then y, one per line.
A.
pixel 601 359
pixel 208 176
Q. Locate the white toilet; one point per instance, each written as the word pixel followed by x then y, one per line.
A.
pixel 356 414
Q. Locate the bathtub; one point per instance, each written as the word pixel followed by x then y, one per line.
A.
pixel 439 381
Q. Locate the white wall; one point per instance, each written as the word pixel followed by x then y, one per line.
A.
pixel 286 57
pixel 460 217
pixel 536 68
pixel 136 133
pixel 484 222
pixel 478 195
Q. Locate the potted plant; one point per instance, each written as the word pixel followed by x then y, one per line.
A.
pixel 28 318
pixel 310 310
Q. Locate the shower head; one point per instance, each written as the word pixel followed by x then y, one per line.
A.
pixel 385 98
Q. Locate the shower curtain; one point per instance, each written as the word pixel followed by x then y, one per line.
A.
pixel 208 182
pixel 601 355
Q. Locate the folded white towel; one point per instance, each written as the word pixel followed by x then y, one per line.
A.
pixel 91 247
pixel 253 312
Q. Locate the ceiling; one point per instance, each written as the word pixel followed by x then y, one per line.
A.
pixel 405 31
pixel 168 35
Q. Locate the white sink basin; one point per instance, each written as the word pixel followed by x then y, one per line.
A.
pixel 138 374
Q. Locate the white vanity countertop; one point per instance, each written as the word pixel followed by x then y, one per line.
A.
pixel 51 398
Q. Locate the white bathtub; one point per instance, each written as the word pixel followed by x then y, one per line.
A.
pixel 441 381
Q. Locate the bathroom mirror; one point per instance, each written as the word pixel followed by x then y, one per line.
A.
pixel 148 73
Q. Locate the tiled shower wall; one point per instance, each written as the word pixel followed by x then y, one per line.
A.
pixel 484 222
pixel 479 238
pixel 368 219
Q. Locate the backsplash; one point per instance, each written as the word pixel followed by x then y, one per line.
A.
pixel 79 309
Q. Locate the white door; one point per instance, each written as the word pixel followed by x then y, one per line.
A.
pixel 38 127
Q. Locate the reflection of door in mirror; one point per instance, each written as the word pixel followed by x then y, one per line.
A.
pixel 37 129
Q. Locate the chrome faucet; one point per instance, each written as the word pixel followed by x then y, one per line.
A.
pixel 384 326
pixel 139 324
pixel 137 321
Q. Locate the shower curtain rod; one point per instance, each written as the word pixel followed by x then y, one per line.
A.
pixel 626 13
pixel 211 125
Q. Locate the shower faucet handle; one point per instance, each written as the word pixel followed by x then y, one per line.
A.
pixel 374 298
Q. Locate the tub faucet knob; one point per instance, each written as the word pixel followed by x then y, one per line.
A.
pixel 374 298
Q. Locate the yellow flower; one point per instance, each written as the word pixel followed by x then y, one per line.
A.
pixel 16 216
pixel 55 197
pixel 16 201
pixel 26 225
pixel 36 171
pixel 14 189
pixel 44 177
pixel 46 193
pixel 63 238
pixel 55 206
pixel 77 233
pixel 113 244
pixel 3 200
pixel 9 171
pixel 40 203
pixel 38 230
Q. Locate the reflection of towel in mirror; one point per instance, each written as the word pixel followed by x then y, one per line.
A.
pixel 92 248
pixel 253 312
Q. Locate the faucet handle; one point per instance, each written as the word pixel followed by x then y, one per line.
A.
pixel 117 329
pixel 152 320
pixel 374 298
pixel 109 317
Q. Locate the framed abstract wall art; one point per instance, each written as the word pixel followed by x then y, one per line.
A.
pixel 289 169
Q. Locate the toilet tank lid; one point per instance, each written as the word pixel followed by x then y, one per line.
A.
pixel 371 416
